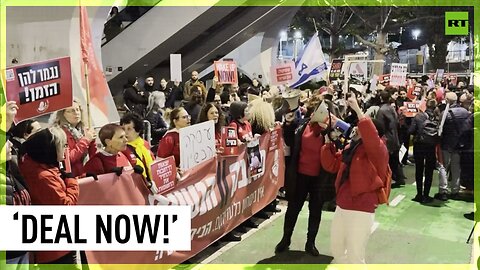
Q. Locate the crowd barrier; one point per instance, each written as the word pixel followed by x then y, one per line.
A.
pixel 223 193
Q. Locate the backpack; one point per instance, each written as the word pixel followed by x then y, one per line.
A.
pixel 429 132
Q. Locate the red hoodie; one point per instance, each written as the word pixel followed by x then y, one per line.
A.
pixel 170 146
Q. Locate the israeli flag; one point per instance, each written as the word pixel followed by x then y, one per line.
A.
pixel 310 63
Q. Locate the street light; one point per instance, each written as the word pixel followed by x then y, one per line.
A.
pixel 416 33
pixel 283 37
pixel 296 36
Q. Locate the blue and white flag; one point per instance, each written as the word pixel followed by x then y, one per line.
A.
pixel 310 63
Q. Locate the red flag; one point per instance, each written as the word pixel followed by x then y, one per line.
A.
pixel 100 96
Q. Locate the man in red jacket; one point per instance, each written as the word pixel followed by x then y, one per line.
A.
pixel 361 168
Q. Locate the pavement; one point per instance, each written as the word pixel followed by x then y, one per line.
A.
pixel 405 232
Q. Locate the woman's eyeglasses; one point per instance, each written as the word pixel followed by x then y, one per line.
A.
pixel 185 117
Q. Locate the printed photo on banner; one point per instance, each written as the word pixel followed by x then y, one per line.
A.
pixel 439 75
pixel 255 160
pixel 40 88
pixel 197 144
pixel 226 72
pixel 229 141
pixel 335 69
pixel 164 174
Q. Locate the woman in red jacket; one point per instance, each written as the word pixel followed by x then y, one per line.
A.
pixel 110 157
pixel 361 168
pixel 170 143
pixel 47 184
pixel 80 139
pixel 239 115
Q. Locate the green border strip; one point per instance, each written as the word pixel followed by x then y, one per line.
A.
pixel 474 3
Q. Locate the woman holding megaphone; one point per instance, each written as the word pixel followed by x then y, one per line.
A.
pixel 305 175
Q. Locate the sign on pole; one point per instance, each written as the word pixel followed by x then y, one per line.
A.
pixel 335 69
pixel 398 74
pixel 175 67
pixel 197 144
pixel 40 88
pixel 226 72
pixel 282 73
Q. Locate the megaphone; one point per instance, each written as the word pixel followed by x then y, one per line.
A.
pixel 292 97
pixel 323 115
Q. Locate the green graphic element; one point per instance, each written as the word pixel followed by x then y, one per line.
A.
pixel 456 23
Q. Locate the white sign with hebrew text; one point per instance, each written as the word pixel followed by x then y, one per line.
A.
pixel 197 144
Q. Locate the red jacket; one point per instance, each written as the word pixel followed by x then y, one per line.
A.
pixel 46 187
pixel 77 151
pixel 358 192
pixel 100 163
pixel 170 146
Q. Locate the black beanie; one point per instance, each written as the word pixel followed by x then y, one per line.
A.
pixel 41 148
pixel 131 80
pixel 237 109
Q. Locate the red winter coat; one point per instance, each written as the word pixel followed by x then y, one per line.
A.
pixel 359 191
pixel 77 151
pixel 170 146
pixel 46 187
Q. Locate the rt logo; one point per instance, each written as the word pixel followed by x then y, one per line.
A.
pixel 456 23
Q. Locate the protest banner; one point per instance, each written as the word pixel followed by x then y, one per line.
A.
pixel 384 79
pixel 164 174
pixel 439 75
pixel 398 74
pixel 412 108
pixel 226 72
pixel 335 70
pixel 175 67
pixel 40 88
pixel 197 144
pixel 220 191
pixel 453 78
pixel 282 73
pixel 229 141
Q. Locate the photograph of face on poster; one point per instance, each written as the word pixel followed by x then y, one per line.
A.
pixel 255 160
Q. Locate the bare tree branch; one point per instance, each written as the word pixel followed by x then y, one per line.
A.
pixel 346 22
pixel 386 18
pixel 375 46
pixel 398 25
pixel 360 15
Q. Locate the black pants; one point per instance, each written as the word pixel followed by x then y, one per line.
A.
pixel 425 161
pixel 404 137
pixel 305 185
pixel 395 166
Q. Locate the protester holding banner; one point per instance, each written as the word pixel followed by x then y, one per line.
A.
pixel 261 116
pixel 110 158
pixel 212 111
pixel 48 185
pixel 362 169
pixel 239 115
pixel 138 150
pixel 170 143
pixel 80 139
pixel 305 177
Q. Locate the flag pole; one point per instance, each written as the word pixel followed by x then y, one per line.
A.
pixel 87 87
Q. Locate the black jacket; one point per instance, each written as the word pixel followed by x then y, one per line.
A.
pixel 453 127
pixel 387 115
pixel 135 101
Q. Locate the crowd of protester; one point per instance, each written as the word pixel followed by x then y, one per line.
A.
pixel 321 163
